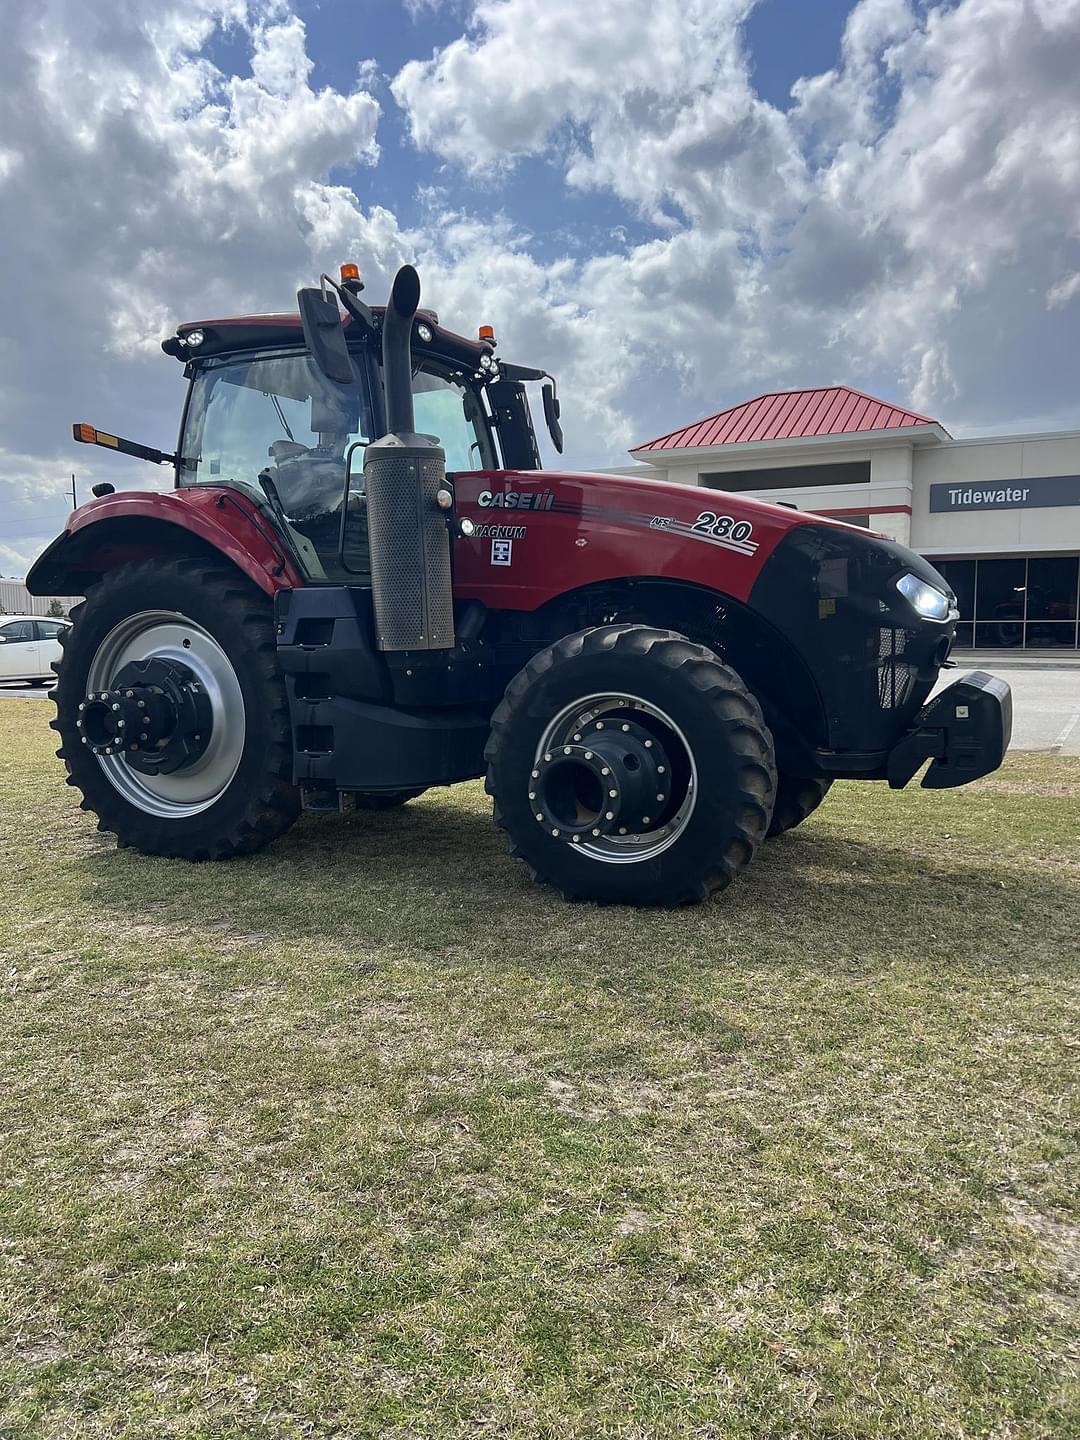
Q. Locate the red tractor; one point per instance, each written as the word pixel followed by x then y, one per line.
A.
pixel 653 678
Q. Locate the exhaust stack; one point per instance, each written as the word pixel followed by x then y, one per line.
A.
pixel 403 472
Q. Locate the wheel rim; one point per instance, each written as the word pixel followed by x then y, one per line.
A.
pixel 600 762
pixel 169 635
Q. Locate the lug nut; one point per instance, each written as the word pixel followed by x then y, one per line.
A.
pixel 555 832
pixel 116 707
pixel 588 756
pixel 645 819
pixel 660 798
pixel 566 750
pixel 610 815
pixel 613 793
pixel 596 832
pixel 535 774
pixel 626 728
pixel 659 769
pixel 622 829
pixel 599 724
pixel 532 794
pixel 540 817
pixel 577 839
pixel 648 744
pixel 605 770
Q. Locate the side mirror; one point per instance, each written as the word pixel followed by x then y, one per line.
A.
pixel 552 411
pixel 321 319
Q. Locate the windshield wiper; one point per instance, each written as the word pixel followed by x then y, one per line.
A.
pixel 280 414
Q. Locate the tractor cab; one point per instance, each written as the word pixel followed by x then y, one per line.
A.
pixel 268 412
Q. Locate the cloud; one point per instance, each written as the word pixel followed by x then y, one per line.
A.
pixel 141 185
pixel 909 223
pixel 897 226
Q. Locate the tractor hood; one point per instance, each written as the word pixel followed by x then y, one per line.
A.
pixel 558 530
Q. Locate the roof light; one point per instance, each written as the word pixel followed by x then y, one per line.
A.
pixel 350 272
pixel 193 339
pixel 424 333
pixel 487 335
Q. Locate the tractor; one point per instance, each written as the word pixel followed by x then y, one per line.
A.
pixel 363 584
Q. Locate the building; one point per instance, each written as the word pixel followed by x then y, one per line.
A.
pixel 999 517
pixel 15 599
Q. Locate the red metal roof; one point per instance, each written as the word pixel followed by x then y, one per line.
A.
pixel 789 415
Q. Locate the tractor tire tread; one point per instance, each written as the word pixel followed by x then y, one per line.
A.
pixel 731 704
pixel 270 806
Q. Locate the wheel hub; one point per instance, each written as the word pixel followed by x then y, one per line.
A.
pixel 612 778
pixel 155 714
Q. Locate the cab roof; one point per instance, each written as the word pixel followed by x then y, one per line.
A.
pixel 283 330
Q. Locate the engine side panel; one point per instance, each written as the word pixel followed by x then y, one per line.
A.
pixel 540 534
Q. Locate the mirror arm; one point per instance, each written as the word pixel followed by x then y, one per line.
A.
pixel 354 306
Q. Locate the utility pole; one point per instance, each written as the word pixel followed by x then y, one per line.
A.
pixel 74 496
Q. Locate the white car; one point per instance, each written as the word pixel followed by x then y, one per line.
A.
pixel 28 647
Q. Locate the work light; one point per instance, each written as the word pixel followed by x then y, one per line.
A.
pixel 930 602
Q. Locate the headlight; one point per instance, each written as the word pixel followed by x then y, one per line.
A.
pixel 930 602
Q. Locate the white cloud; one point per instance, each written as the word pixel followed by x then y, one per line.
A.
pixel 140 186
pixel 897 227
pixel 911 223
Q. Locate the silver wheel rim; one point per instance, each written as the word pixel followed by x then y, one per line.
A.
pixel 171 636
pixel 629 849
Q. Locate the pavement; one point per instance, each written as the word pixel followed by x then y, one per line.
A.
pixel 1046 696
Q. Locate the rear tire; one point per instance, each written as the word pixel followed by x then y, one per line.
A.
pixel 796 798
pixel 249 800
pixel 718 780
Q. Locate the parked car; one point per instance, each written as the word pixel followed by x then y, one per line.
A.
pixel 28 647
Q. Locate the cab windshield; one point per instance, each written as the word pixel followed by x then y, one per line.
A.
pixel 276 425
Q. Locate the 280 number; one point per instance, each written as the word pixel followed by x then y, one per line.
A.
pixel 724 527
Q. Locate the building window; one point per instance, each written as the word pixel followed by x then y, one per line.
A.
pixel 1015 602
pixel 790 477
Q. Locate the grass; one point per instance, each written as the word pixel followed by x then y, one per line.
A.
pixel 365 1136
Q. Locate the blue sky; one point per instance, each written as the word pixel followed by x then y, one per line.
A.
pixel 784 39
pixel 671 204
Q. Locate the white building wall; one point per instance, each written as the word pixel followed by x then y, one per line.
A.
pixel 15 599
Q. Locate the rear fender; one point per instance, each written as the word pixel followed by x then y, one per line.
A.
pixel 140 525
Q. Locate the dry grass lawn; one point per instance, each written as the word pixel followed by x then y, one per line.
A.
pixel 365 1136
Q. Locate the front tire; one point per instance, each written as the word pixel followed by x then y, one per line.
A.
pixel 614 722
pixel 796 798
pixel 233 797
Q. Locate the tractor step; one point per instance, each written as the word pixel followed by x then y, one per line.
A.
pixel 325 801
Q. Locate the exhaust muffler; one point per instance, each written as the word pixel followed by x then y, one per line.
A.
pixel 403 473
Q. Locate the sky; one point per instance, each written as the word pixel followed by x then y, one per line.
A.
pixel 672 205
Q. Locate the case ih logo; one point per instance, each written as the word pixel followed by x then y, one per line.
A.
pixel 516 499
